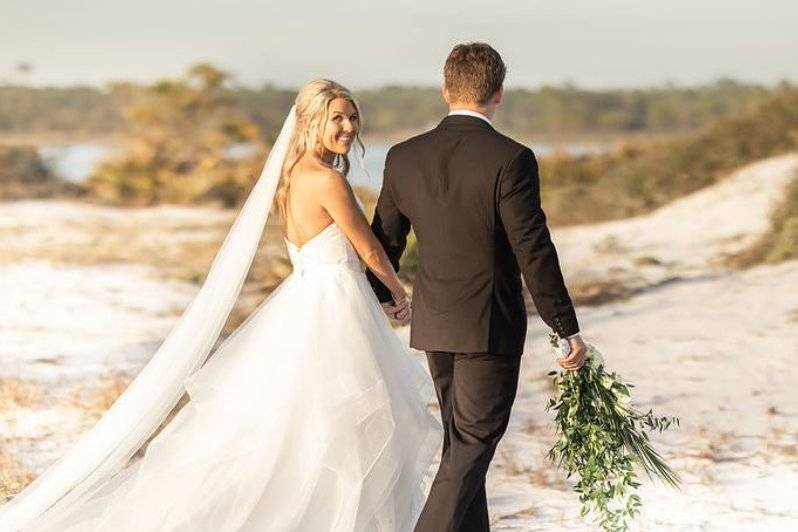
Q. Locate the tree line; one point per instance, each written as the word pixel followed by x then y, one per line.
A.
pixel 395 110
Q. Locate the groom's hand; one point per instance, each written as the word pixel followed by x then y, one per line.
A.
pixel 576 358
pixel 398 311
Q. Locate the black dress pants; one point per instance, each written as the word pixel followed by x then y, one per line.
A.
pixel 475 393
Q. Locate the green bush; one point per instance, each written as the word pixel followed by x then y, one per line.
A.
pixel 639 177
pixel 180 134
pixel 780 243
pixel 23 174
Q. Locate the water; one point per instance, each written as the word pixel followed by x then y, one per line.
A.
pixel 370 176
pixel 73 162
pixel 76 162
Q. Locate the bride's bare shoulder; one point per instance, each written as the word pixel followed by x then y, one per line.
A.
pixel 323 178
pixel 315 172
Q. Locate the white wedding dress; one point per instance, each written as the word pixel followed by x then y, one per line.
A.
pixel 310 417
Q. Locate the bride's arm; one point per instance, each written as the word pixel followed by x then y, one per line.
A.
pixel 339 201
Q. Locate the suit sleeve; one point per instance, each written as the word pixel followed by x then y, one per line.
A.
pixel 391 228
pixel 525 223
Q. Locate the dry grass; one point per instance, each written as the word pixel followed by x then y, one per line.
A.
pixel 13 477
pixel 153 237
pixel 17 393
pixel 546 475
pixel 789 451
pixel 779 446
pixel 780 243
pixel 595 292
pixel 92 401
pixel 600 292
pixel 95 400
pixel 781 441
pixel 638 177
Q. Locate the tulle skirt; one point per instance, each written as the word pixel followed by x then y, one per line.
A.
pixel 312 416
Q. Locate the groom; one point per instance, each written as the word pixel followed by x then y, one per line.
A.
pixel 472 195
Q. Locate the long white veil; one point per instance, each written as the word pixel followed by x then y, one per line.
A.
pixel 140 410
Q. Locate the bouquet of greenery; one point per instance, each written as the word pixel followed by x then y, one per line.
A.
pixel 603 439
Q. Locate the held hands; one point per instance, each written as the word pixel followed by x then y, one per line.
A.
pixel 576 358
pixel 398 309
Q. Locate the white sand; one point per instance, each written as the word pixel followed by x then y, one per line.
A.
pixel 719 353
pixel 79 321
pixel 72 232
pixel 712 346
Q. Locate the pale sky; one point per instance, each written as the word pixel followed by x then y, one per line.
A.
pixel 595 44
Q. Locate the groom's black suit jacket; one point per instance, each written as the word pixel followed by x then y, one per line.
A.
pixel 472 196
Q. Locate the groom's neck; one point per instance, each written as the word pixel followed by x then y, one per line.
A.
pixel 487 110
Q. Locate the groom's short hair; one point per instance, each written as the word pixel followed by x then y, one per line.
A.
pixel 473 73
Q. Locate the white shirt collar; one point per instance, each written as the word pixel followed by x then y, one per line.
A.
pixel 468 112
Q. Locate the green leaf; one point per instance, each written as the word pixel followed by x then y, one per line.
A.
pixel 602 440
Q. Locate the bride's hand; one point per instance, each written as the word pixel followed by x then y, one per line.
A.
pixel 398 309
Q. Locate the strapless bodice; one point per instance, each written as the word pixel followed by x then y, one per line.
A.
pixel 328 248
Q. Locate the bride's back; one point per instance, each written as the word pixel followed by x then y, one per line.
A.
pixel 305 216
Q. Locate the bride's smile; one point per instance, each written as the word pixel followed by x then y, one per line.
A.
pixel 341 129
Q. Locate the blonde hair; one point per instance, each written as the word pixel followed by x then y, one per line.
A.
pixel 312 111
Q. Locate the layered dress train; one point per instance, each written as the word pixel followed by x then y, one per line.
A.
pixel 310 417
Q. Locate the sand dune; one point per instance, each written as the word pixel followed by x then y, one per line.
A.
pixel 684 238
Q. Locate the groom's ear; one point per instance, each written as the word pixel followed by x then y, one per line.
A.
pixel 497 96
pixel 445 93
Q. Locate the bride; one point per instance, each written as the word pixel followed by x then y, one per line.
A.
pixel 311 416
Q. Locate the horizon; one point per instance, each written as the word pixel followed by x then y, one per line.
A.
pixel 268 84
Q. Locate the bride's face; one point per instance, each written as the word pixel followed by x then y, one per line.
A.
pixel 343 124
